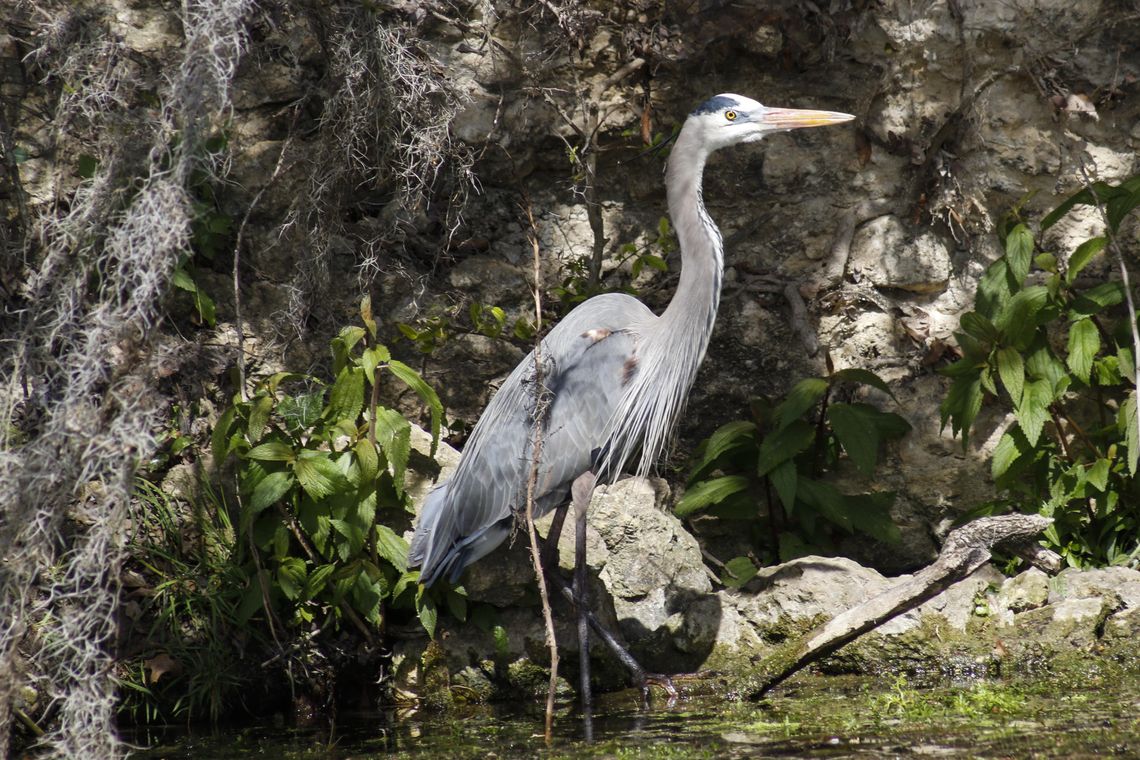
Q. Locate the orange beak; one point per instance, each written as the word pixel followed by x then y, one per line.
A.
pixel 794 118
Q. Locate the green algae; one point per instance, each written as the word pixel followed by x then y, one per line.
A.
pixel 1093 713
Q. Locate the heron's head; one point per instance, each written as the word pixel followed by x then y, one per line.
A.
pixel 730 119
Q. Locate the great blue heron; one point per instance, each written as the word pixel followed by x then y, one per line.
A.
pixel 614 377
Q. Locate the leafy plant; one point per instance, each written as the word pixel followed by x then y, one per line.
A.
pixel 1057 351
pixel 184 579
pixel 575 286
pixel 772 469
pixel 321 472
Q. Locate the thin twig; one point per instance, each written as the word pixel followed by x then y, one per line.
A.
pixel 536 457
pixel 1116 252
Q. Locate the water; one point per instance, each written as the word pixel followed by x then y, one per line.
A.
pixel 813 717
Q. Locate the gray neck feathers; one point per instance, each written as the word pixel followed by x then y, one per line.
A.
pixel 671 348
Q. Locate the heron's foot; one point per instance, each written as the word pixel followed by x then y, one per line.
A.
pixel 658 679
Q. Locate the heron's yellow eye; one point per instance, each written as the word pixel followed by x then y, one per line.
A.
pixel 730 115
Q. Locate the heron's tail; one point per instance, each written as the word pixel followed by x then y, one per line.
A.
pixel 438 549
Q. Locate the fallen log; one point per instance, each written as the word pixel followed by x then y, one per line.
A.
pixel 966 549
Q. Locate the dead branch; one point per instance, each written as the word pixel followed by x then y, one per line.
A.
pixel 536 457
pixel 966 549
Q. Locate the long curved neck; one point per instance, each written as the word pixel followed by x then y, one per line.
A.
pixel 673 345
pixel 687 322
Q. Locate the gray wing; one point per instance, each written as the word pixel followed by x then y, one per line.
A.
pixel 586 361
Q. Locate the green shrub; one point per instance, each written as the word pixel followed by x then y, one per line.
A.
pixel 1058 352
pixel 773 467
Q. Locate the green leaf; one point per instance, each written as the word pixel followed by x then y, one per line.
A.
pixel 1087 196
pixel 726 438
pixel 803 396
pixel 784 478
pixel 1097 299
pixel 371 359
pixel 979 327
pixel 1011 370
pixel 271 451
pixel 317 580
pixel 347 396
pixel 1083 255
pixel 219 438
pixel 709 492
pixel 857 375
pixel 782 445
pixel 428 615
pixel 269 491
pixel 738 571
pixel 457 605
pixel 301 412
pixel 1084 343
pixel 1098 474
pixel 319 475
pixel 259 411
pixel 394 436
pixel 1123 204
pixel 412 379
pixel 1019 252
pixel 857 434
pixel 961 406
pixel 1126 422
pixel 1010 447
pixel 826 500
pixel 1018 320
pixel 871 514
pixel 1034 409
pixel 368 460
pixel 994 290
pixel 392 547
pixel 291 577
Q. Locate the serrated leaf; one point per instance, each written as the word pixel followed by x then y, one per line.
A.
pixel 269 491
pixel 1018 320
pixel 803 396
pixel 301 412
pixel 1084 343
pixel 709 492
pixel 994 290
pixel 785 443
pixel 319 476
pixel 1010 447
pixel 961 406
pixel 871 514
pixel 291 577
pixel 394 436
pixel 317 580
pixel 1098 474
pixel 271 451
pixel 428 615
pixel 346 398
pixel 367 459
pixel 412 379
pixel 1083 255
pixel 1019 252
pixel 408 579
pixel 1011 370
pixel 1097 299
pixel 726 438
pixel 738 571
pixel 1034 409
pixel 864 376
pixel 1126 422
pixel 979 327
pixel 392 547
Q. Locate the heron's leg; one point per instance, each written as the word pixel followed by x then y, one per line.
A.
pixel 550 545
pixel 581 491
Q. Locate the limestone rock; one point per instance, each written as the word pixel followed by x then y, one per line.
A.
pixel 891 257
pixel 1026 591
